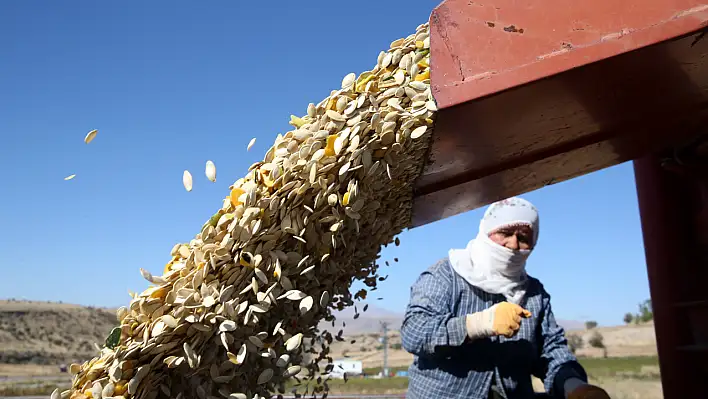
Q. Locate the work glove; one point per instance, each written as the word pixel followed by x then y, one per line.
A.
pixel 587 391
pixel 501 319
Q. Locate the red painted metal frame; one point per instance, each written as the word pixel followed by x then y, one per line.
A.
pixel 533 92
pixel 670 207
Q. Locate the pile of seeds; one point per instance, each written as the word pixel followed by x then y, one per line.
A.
pixel 236 311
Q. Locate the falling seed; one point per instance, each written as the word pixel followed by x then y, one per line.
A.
pixel 418 132
pixel 288 238
pixel 283 360
pixel 294 342
pixel 292 370
pixel 250 144
pixel 256 341
pixel 293 295
pixel 90 136
pixel 265 376
pixel 348 80
pixel 69 177
pixel 324 299
pixel 187 180
pixel 306 304
pixel 210 171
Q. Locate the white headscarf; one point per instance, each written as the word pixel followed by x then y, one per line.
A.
pixel 490 266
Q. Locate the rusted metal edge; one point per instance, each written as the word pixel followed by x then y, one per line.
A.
pixel 451 87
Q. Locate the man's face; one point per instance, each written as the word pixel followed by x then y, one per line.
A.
pixel 513 237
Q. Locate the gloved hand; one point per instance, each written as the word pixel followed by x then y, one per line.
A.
pixel 587 391
pixel 501 319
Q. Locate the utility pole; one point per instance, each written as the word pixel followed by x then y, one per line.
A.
pixel 384 325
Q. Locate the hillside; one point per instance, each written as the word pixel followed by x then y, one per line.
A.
pixel 44 333
pixel 51 333
pixel 621 341
pixel 36 336
pixel 367 322
pixel 370 321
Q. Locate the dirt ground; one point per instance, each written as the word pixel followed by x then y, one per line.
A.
pixel 631 388
pixel 51 334
pixel 44 333
pixel 36 337
pixel 621 341
pixel 27 370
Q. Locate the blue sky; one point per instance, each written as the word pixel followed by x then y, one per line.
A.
pixel 170 85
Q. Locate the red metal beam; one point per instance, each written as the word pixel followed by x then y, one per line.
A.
pixel 487 46
pixel 535 92
pixel 671 206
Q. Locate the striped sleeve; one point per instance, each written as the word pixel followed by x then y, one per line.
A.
pixel 556 358
pixel 428 324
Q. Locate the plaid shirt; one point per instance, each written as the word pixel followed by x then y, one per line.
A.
pixel 447 365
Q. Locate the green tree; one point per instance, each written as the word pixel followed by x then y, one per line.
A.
pixel 646 312
pixel 575 342
pixel 596 340
pixel 628 318
pixel 590 324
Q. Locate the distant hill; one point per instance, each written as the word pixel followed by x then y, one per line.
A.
pixel 54 333
pixel 370 321
pixel 571 324
pixel 367 322
pixel 51 333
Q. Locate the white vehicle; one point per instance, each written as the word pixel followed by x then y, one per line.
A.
pixel 349 366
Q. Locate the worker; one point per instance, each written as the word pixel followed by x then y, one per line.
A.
pixel 479 326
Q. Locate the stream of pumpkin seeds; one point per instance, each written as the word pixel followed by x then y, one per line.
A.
pixel 236 312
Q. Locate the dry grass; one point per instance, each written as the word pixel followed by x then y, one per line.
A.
pixel 27 370
pixel 43 333
pixel 35 337
pixel 52 333
pixel 618 389
pixel 621 341
pixel 623 378
pixel 37 388
pixel 631 388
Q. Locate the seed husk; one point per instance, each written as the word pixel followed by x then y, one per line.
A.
pixel 210 171
pixel 90 136
pixel 187 180
pixel 289 238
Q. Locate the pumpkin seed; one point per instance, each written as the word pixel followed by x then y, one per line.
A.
pixel 305 221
